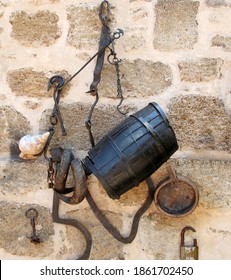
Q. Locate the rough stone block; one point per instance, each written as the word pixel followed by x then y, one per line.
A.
pixel 200 70
pixel 133 40
pixel 13 125
pixel 176 25
pixel 218 3
pixel 104 246
pixel 139 78
pixel 200 122
pixel 74 115
pixel 36 29
pixel 15 230
pixel 221 41
pixel 31 83
pixel 160 236
pixel 212 179
pixel 139 1
pixel 134 197
pixel 85 26
pixel 136 35
pixel 22 176
pixel 138 15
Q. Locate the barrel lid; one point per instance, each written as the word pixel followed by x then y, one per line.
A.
pixel 176 198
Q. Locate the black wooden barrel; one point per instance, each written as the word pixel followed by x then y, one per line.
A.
pixel 132 151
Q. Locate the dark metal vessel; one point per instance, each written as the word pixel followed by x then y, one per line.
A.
pixel 132 151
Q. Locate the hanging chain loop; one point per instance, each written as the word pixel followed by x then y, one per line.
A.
pixel 113 59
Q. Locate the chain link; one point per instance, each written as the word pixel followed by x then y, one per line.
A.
pixel 116 62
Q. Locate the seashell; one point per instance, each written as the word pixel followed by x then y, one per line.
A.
pixel 32 145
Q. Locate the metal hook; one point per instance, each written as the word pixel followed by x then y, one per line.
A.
pixel 117 34
pixel 104 12
pixel 59 80
pixel 56 115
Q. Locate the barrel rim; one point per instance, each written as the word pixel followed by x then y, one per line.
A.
pixel 159 109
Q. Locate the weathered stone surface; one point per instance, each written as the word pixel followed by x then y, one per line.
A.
pixel 3 97
pixel 166 231
pixel 221 41
pixel 212 179
pixel 209 227
pixel 218 3
pixel 200 122
pixel 140 1
pixel 15 230
pixel 22 176
pixel 139 14
pixel 35 29
pixel 4 4
pixel 135 196
pixel 176 25
pixel 104 246
pixel 134 40
pixel 32 104
pixel 42 2
pixel 139 78
pixel 74 115
pixel 136 36
pixel 200 70
pixel 13 125
pixel 85 26
pixel 31 83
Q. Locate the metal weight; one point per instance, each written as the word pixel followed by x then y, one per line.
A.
pixel 188 252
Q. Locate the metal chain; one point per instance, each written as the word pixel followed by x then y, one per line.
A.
pixel 57 82
pixel 119 87
pixel 113 59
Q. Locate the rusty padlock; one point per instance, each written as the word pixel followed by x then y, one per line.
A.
pixel 188 252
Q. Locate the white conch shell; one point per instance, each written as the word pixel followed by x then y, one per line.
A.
pixel 32 145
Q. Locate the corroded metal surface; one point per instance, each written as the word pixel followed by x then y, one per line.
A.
pixel 188 252
pixel 176 197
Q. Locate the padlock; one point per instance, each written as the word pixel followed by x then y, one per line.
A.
pixel 188 252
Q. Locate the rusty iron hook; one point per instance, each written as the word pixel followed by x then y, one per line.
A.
pixel 104 12
pixel 59 80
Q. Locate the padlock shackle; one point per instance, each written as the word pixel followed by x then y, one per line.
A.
pixel 183 233
pixel 194 242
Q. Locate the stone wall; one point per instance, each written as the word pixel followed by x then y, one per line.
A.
pixel 176 53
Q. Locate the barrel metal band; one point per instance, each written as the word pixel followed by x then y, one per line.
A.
pixel 88 163
pixel 125 160
pixel 159 144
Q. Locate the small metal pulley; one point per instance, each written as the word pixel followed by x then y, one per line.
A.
pixel 188 252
